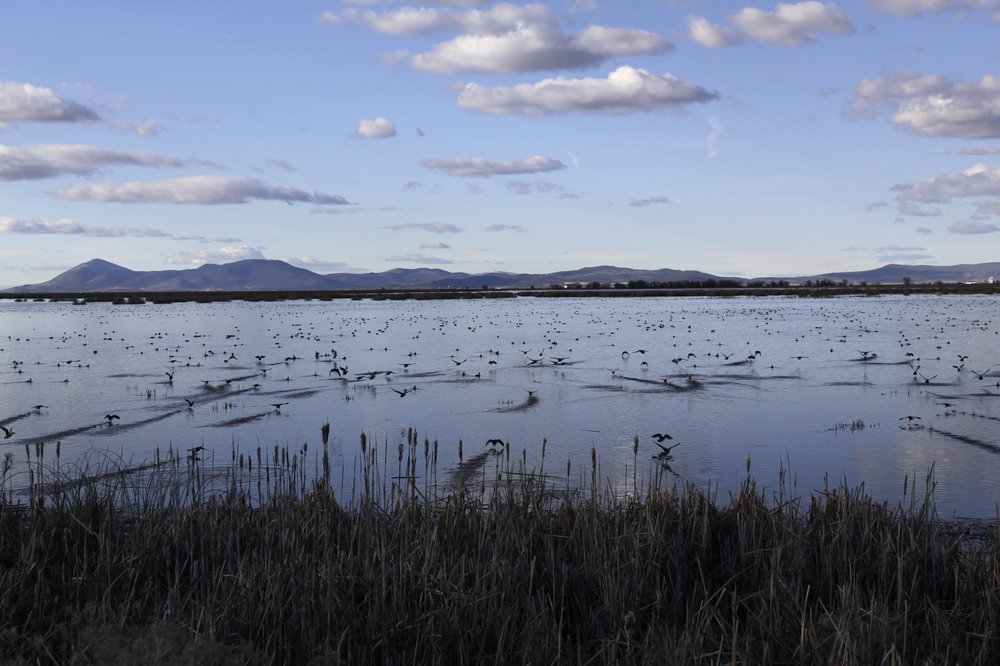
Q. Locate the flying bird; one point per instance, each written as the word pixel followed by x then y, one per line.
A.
pixel 7 432
pixel 660 436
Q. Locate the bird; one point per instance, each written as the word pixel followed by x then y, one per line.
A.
pixel 277 405
pixel 170 377
pixel 660 436
pixel 865 355
pixel 189 402
pixel 39 408
pixel 980 375
pixel 111 417
pixel 927 380
pixel 910 417
pixel 495 441
pixel 665 450
pixel 402 393
pixel 7 432
pixel 625 355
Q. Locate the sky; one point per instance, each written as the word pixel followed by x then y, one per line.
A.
pixel 746 140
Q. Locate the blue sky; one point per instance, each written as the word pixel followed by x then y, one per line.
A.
pixel 739 139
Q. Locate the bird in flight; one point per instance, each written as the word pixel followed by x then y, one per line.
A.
pixel 7 432
pixel 402 393
pixel 660 436
pixel 495 441
pixel 111 417
pixel 277 405
pixel 665 450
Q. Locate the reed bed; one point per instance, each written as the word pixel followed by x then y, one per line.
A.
pixel 258 561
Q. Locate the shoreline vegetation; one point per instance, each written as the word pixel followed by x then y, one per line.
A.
pixel 257 560
pixel 821 289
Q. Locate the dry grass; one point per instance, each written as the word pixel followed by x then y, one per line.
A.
pixel 259 562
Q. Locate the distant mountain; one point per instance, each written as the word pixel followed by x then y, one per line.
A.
pixel 271 275
pixel 895 274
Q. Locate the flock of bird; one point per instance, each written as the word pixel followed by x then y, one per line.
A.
pixel 241 364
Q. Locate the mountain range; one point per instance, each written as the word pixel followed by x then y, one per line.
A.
pixel 98 275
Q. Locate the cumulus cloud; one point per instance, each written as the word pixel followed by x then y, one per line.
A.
pixel 918 7
pixel 34 162
pixel 435 245
pixel 431 227
pixel 480 167
pixel 790 24
pixel 65 226
pixel 503 39
pixel 222 255
pixel 625 90
pixel 206 190
pixel 932 105
pixel 379 128
pixel 976 181
pixel 641 203
pixel 418 259
pixel 23 102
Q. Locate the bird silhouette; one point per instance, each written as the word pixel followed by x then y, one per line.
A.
pixel 665 450
pixel 495 441
pixel 7 432
pixel 277 405
pixel 111 418
pixel 660 436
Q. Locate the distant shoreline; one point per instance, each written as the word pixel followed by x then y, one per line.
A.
pixel 805 291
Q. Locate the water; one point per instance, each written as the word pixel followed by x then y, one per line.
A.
pixel 810 402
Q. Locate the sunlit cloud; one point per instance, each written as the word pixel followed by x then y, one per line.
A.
pixel 35 162
pixel 910 8
pixel 222 255
pixel 503 39
pixel 932 105
pixel 23 102
pixel 480 167
pixel 418 259
pixel 790 24
pixel 976 181
pixel 431 227
pixel 625 90
pixel 379 128
pixel 65 226
pixel 202 190
pixel 313 264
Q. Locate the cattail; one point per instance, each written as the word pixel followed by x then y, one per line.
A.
pixel 325 433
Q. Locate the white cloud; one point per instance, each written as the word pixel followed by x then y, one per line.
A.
pixel 222 255
pixel 432 227
pixel 506 227
pixel 790 24
pixel 532 187
pixel 505 38
pixel 34 162
pixel 641 203
pixel 65 226
pixel 932 105
pixel 717 128
pixel 379 128
pixel 33 226
pixel 434 245
pixel 483 168
pixel 982 150
pixel 23 102
pixel 206 190
pixel 973 227
pixel 976 181
pixel 313 264
pixel 418 259
pixel 919 7
pixel 625 90
pixel 532 47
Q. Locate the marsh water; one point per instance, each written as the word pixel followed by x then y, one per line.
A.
pixel 869 391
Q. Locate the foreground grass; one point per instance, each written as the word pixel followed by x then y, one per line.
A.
pixel 164 567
